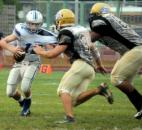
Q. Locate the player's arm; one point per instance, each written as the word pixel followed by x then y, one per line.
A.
pixel 51 53
pixel 50 46
pixel 97 58
pixel 99 28
pixel 65 39
pixel 95 36
pixel 4 43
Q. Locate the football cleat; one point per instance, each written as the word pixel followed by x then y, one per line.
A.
pixel 67 119
pixel 104 91
pixel 26 113
pixel 138 115
pixel 26 107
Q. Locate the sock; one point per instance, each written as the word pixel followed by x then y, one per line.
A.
pixel 28 97
pixel 21 99
pixel 135 98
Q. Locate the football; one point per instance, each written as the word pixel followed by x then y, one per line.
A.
pixel 20 57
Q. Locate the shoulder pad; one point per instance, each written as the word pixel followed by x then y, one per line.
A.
pixel 45 32
pixel 18 28
pixel 65 32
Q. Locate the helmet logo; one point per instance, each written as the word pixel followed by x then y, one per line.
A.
pixel 104 10
pixel 59 15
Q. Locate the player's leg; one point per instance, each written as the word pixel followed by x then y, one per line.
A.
pixel 11 90
pixel 124 71
pixel 70 82
pixel 28 77
pixel 85 95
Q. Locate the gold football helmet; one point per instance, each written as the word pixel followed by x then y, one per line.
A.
pixel 64 17
pixel 100 9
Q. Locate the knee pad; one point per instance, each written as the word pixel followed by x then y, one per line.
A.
pixel 26 85
pixel 10 91
pixel 115 81
pixel 59 91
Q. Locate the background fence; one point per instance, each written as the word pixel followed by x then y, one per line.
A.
pixel 129 11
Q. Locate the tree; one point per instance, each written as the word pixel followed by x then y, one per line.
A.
pixel 13 2
pixel 1 4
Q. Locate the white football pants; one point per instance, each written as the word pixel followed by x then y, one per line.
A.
pixel 21 72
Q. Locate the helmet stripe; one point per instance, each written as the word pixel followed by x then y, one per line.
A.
pixel 35 15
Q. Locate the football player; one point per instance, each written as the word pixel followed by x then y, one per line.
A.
pixel 116 34
pixel 27 34
pixel 75 42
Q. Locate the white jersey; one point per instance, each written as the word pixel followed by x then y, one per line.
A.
pixel 28 39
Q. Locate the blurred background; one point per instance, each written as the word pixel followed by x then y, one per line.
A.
pixel 14 11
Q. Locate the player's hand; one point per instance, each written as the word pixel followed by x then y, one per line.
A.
pixel 15 50
pixel 38 49
pixel 101 69
pixel 19 54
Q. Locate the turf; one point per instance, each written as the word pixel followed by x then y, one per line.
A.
pixel 96 114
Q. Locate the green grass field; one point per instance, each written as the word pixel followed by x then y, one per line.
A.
pixel 96 114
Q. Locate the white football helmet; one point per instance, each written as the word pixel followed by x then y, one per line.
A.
pixel 34 20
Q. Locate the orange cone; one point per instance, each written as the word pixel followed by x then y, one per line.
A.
pixel 1 66
pixel 40 69
pixel 43 68
pixel 49 69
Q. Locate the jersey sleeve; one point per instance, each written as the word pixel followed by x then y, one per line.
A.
pixel 65 37
pixel 48 37
pixel 16 30
pixel 99 25
pixel 51 40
